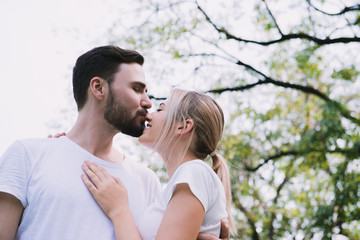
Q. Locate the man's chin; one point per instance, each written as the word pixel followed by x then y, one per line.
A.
pixel 134 132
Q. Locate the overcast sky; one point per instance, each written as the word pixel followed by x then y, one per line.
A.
pixel 40 41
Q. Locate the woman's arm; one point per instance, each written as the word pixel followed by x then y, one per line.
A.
pixel 112 197
pixel 183 216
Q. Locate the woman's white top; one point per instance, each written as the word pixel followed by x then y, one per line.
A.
pixel 204 184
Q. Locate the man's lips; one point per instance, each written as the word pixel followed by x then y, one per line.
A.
pixel 143 114
pixel 145 118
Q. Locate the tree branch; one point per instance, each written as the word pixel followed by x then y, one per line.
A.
pixel 152 97
pixel 306 89
pixel 273 157
pixel 347 151
pixel 275 200
pixel 355 7
pixel 273 18
pixel 250 219
pixel 284 37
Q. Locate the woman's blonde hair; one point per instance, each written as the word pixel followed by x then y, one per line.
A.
pixel 208 119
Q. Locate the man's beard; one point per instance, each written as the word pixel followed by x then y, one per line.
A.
pixel 119 116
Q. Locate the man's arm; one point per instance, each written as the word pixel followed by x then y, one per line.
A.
pixel 11 210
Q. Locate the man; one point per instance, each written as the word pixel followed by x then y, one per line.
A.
pixel 41 193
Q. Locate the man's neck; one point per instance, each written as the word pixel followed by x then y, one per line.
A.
pixel 95 135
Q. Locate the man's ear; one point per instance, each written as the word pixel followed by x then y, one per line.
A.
pixel 97 87
pixel 185 127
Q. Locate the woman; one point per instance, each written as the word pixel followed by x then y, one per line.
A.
pixel 185 129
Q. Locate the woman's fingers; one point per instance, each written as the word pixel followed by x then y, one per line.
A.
pixel 89 184
pixel 108 191
pixel 60 134
pixel 57 135
pixel 91 174
pixel 100 172
pixel 118 181
pixel 98 175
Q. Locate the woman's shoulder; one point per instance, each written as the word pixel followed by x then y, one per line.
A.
pixel 198 173
pixel 197 167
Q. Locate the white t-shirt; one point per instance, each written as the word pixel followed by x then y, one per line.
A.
pixel 204 184
pixel 44 174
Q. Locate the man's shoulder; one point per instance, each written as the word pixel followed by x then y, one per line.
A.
pixel 36 142
pixel 31 141
pixel 35 145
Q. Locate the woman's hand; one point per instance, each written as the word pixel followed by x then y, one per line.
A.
pixel 224 233
pixel 108 191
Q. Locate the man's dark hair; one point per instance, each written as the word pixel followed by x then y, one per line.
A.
pixel 100 62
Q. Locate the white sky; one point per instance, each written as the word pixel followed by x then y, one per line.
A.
pixel 40 41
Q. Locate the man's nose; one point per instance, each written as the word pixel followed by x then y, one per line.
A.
pixel 145 102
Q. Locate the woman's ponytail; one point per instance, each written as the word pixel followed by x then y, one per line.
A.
pixel 221 169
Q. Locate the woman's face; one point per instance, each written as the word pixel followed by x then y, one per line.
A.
pixel 154 126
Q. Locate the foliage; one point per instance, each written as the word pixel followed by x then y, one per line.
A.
pixel 287 76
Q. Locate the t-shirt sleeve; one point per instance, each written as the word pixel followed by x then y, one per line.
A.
pixel 14 171
pixel 200 183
